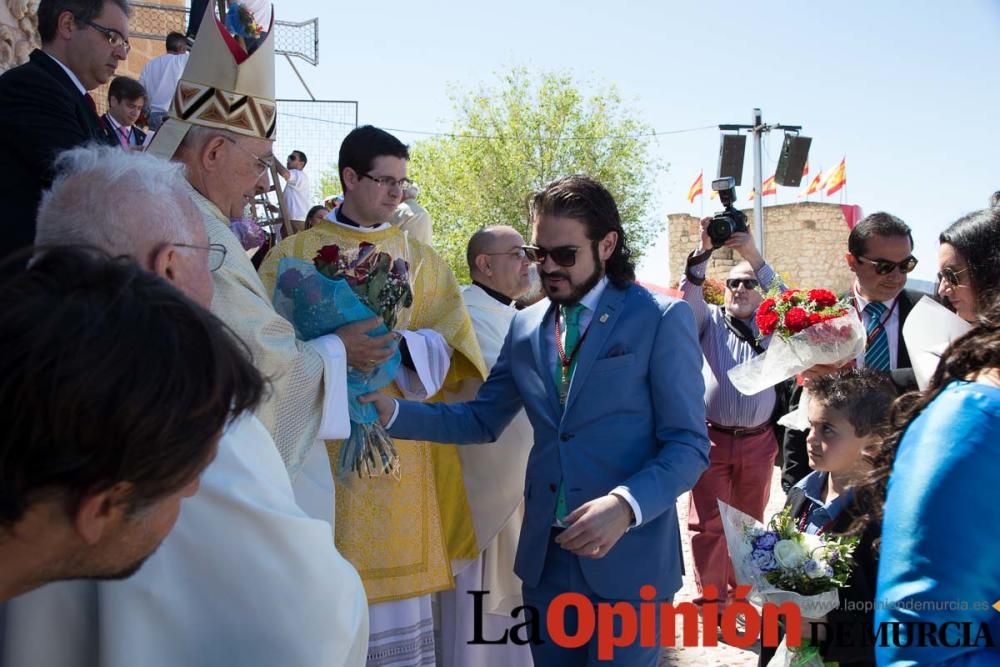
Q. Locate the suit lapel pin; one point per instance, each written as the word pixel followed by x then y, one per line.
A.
pixel 604 318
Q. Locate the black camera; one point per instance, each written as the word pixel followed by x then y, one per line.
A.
pixel 729 221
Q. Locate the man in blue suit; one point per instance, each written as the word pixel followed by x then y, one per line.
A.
pixel 610 377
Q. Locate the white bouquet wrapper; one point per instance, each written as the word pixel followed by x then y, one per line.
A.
pixel 830 342
pixel 736 524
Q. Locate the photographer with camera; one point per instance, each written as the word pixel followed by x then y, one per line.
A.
pixel 740 427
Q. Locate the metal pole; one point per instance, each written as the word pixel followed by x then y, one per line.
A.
pixel 301 80
pixel 758 205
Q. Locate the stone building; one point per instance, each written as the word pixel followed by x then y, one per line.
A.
pixel 805 242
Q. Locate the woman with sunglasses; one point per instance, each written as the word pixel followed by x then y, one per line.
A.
pixel 934 607
pixel 969 262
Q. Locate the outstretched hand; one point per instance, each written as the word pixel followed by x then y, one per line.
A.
pixel 383 404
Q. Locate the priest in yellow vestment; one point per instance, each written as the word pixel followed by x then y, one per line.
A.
pixel 401 534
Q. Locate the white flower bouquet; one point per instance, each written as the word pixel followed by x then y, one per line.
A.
pixel 782 563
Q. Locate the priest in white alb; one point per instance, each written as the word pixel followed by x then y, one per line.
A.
pixel 494 475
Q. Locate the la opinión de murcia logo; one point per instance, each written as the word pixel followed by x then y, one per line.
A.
pixel 617 625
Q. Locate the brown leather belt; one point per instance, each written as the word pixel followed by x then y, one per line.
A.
pixel 738 432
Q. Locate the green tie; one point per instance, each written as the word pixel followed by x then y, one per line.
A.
pixel 570 339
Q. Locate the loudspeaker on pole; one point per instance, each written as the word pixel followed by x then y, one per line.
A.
pixel 731 153
pixel 794 153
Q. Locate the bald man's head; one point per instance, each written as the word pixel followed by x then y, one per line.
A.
pixel 496 260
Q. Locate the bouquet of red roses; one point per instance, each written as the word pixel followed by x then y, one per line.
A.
pixel 341 286
pixel 811 326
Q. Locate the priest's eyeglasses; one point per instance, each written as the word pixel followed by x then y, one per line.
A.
pixel 264 163
pixel 388 182
pixel 519 253
pixel 885 266
pixel 115 38
pixel 216 253
pixel 564 255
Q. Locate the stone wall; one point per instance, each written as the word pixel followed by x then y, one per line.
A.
pixel 18 31
pixel 804 242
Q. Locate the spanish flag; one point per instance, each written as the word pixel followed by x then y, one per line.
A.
pixel 837 178
pixel 815 185
pixel 696 187
pixel 768 187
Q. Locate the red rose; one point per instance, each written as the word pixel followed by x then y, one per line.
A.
pixel 328 254
pixel 796 319
pixel 823 298
pixel 815 318
pixel 791 295
pixel 766 304
pixel 767 320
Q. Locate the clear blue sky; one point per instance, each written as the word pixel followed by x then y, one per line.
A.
pixel 906 90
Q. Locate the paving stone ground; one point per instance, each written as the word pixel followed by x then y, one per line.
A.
pixel 723 654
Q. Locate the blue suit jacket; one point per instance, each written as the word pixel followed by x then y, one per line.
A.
pixel 634 416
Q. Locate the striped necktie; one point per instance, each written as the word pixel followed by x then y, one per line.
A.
pixel 877 352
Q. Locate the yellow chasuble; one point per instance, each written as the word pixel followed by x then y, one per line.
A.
pixel 402 534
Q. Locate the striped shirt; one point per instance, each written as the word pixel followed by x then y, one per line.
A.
pixel 724 350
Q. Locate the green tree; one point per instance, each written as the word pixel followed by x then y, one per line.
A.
pixel 510 140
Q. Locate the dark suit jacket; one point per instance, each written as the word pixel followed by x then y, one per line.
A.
pixel 795 463
pixel 42 113
pixel 851 616
pixel 137 134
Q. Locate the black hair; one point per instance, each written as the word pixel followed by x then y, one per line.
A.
pixel 82 10
pixel 976 237
pixel 125 88
pixel 976 351
pixel 109 374
pixel 876 224
pixel 863 395
pixel 175 42
pixel 585 199
pixel 362 145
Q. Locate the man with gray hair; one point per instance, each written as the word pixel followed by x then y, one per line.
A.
pixel 412 217
pixel 227 150
pixel 247 577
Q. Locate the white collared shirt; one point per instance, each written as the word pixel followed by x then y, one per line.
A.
pixel 891 326
pixel 72 77
pixel 118 127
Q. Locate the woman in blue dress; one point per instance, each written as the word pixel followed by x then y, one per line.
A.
pixel 940 548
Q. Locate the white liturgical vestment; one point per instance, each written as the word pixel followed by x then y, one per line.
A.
pixel 245 579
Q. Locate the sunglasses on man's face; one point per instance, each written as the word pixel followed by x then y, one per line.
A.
pixel 564 255
pixel 949 276
pixel 734 283
pixel 884 266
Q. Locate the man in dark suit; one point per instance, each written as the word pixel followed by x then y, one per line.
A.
pixel 126 98
pixel 879 254
pixel 45 107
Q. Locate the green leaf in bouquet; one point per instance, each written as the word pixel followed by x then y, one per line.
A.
pixel 376 282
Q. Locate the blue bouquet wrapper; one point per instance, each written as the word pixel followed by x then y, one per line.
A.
pixel 317 305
